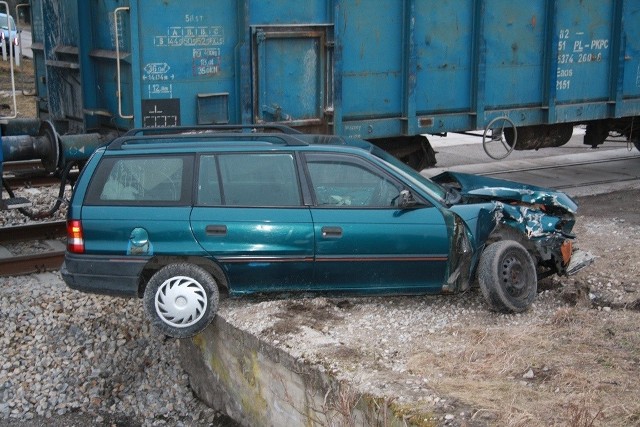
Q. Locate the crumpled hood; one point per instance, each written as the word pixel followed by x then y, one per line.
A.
pixel 492 189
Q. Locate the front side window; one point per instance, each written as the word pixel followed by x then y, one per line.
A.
pixel 139 180
pixel 259 179
pixel 341 181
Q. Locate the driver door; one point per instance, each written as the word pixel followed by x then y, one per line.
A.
pixel 363 240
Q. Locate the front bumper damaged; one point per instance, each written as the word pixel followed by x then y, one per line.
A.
pixel 579 260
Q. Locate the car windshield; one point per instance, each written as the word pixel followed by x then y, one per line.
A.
pixel 423 182
pixel 4 22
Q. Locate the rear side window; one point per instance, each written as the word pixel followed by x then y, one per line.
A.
pixel 149 180
pixel 254 179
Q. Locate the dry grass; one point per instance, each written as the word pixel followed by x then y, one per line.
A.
pixel 25 101
pixel 584 374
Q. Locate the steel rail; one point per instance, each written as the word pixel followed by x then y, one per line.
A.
pixel 565 165
pixel 31 263
pixel 23 165
pixel 36 262
pixel 31 181
pixel 33 231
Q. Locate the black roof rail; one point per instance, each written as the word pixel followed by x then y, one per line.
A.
pixel 287 135
pixel 251 128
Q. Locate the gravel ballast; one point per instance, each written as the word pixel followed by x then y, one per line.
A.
pixel 67 352
pixel 69 355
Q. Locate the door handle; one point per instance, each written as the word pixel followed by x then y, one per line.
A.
pixel 216 230
pixel 331 232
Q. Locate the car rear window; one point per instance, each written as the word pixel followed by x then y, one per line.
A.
pixel 5 22
pixel 144 180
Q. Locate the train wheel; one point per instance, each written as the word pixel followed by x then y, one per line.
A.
pixel 422 157
pixel 415 151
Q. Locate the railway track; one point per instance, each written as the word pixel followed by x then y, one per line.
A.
pixel 30 174
pixel 577 174
pixel 23 166
pixel 574 175
pixel 31 180
pixel 31 248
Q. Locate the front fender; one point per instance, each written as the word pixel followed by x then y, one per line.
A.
pixel 463 254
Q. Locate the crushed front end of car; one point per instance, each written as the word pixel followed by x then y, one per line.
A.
pixel 539 219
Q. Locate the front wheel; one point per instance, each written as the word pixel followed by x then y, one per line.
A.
pixel 507 276
pixel 181 300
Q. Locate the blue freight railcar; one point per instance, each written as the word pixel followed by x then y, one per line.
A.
pixel 384 70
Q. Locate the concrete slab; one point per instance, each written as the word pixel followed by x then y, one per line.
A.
pixel 258 384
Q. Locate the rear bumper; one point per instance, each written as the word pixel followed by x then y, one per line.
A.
pixel 101 274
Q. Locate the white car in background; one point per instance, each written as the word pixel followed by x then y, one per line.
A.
pixel 9 31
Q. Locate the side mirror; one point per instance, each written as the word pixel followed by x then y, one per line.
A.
pixel 406 200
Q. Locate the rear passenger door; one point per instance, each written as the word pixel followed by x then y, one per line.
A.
pixel 250 218
pixel 363 240
pixel 139 205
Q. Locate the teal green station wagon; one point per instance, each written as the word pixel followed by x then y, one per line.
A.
pixel 176 216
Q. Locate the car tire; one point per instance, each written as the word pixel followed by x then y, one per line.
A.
pixel 181 299
pixel 507 276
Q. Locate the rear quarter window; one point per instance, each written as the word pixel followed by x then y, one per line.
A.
pixel 141 180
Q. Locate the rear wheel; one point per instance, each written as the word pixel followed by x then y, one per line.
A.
pixel 181 299
pixel 507 276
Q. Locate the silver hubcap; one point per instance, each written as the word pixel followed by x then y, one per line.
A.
pixel 181 301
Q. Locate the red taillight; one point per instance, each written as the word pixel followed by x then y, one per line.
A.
pixel 75 241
